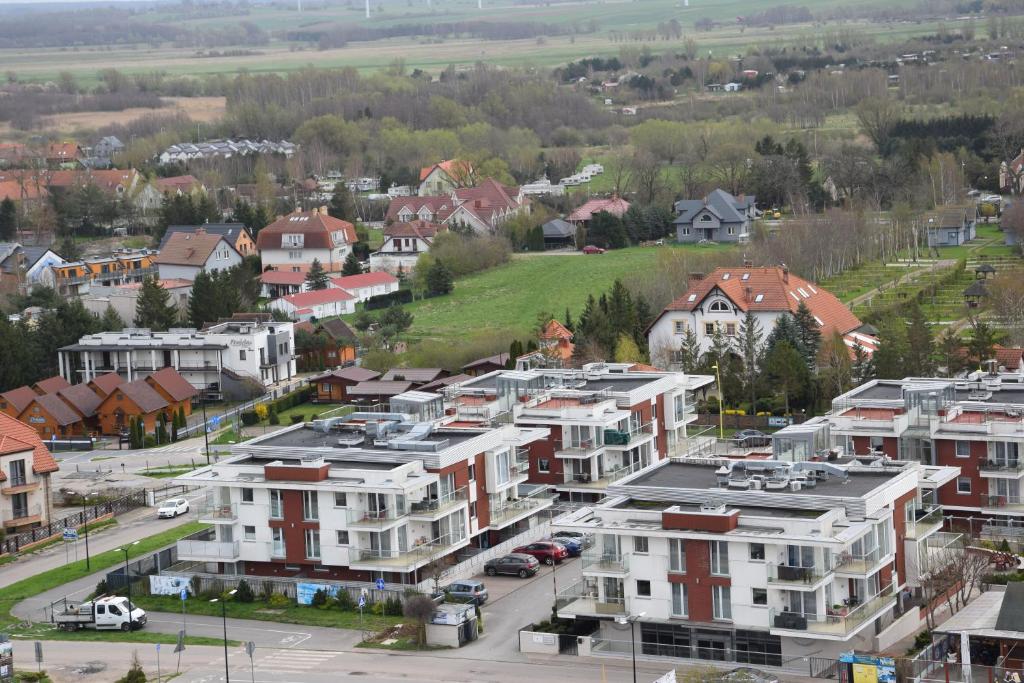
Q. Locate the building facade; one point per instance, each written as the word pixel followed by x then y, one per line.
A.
pixel 294 241
pixel 25 469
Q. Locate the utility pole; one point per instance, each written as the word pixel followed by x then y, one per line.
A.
pixel 367 9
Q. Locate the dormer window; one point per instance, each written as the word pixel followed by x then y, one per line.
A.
pixel 706 218
pixel 719 307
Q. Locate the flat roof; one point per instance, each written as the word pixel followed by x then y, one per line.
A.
pixel 748 510
pixel 678 475
pixel 307 437
pixel 336 463
pixel 617 383
pixel 883 391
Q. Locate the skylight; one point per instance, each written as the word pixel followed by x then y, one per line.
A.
pixel 818 320
pixel 725 276
pixel 803 292
pixel 691 298
pixel 746 276
pixel 759 298
pixel 793 294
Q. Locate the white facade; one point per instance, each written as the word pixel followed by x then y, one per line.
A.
pixel 223 257
pixel 668 332
pixel 297 259
pixel 124 300
pixel 364 291
pixel 294 306
pixel 398 254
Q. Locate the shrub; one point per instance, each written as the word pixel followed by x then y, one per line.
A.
pixel 319 598
pixel 135 673
pixel 279 600
pixel 250 418
pixel 345 602
pixel 1004 546
pixel 272 415
pixel 296 419
pixel 101 587
pixel 393 606
pixel 244 592
pixel 262 411
pixel 149 441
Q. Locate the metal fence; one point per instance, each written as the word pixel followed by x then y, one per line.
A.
pixel 14 542
pixel 143 566
pixel 196 423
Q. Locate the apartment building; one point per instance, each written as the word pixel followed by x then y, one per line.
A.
pixel 216 359
pixel 25 468
pixel 975 423
pixel 605 421
pixel 754 561
pixel 365 496
pixel 124 266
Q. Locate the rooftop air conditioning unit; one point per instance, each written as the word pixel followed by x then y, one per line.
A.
pixel 795 485
pixel 708 507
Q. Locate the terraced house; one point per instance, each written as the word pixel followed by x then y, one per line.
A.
pixel 364 496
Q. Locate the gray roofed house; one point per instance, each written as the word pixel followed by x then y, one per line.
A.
pixel 107 147
pixel 951 226
pixel 719 217
pixel 228 231
pixel 558 233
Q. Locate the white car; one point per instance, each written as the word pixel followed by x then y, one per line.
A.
pixel 172 508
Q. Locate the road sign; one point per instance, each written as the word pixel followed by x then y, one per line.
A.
pixel 158 647
pixel 71 534
pixel 250 647
pixel 380 584
pixel 362 601
pixel 39 652
pixel 184 594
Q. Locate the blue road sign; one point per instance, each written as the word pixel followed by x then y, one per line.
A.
pixel 184 594
pixel 380 584
pixel 362 601
pixel 70 534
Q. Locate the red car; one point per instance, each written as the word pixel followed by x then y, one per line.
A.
pixel 547 552
pixel 591 249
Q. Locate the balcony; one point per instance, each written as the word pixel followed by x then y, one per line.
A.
pixel 207 551
pixel 28 514
pixel 600 561
pixel 1001 468
pixel 195 366
pixel 584 600
pixel 580 451
pixel 587 480
pixel 432 508
pixel 511 511
pixel 793 577
pixel 1006 503
pixel 16 485
pixel 211 512
pixel 840 625
pixel 926 521
pixel 866 563
pixel 374 519
pixel 406 560
pixel 618 439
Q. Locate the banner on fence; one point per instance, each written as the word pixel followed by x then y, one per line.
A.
pixel 304 592
pixel 870 669
pixel 167 585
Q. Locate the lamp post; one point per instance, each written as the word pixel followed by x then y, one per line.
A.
pixel 85 526
pixel 128 579
pixel 631 620
pixel 202 398
pixel 721 409
pixel 224 620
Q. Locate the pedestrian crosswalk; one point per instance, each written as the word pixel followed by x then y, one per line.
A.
pixel 176 448
pixel 294 660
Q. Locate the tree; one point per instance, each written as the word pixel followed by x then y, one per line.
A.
pixel 949 353
pixel 439 279
pixel 395 320
pixel 135 673
pixel 809 334
pixel 689 351
pixel 863 368
pixel 919 361
pixel 750 352
pixel 317 278
pixel 8 220
pixel 153 308
pixel 877 117
pixel 981 346
pixel 606 230
pixel 351 265
pixel 835 368
pixel 786 369
pixel 343 205
pixel 626 350
pixel 892 349
pixel 110 320
pixel 203 304
pixel 420 609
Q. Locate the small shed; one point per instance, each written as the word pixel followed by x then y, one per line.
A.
pixel 453 624
pixel 975 293
pixel 984 271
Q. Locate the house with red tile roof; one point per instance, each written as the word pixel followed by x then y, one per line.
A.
pixel 179 185
pixel 25 469
pixel 294 241
pixel 51 385
pixel 721 300
pixel 52 418
pixel 443 177
pixel 403 244
pixel 16 400
pixel 431 209
pixel 365 285
pixel 175 389
pixel 186 254
pixel 556 340
pixel 130 400
pixel 616 206
pixel 276 283
pixel 485 207
pixel 318 303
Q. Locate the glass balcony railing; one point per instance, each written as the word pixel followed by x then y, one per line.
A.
pixel 927 520
pixel 851 563
pixel 395 558
pixel 211 511
pixel 580 449
pixel 446 501
pixel 374 518
pixel 584 599
pixel 1002 465
pixel 836 622
pixel 789 575
pixel 207 551
pixel 1011 502
pixel 597 560
pixel 617 438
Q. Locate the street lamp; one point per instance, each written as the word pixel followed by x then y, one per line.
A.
pixel 721 409
pixel 85 525
pixel 632 634
pixel 206 425
pixel 128 578
pixel 224 619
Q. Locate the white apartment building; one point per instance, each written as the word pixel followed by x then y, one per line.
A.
pixel 605 421
pixel 365 496
pixel 215 359
pixel 759 562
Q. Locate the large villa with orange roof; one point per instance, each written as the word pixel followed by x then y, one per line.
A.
pixel 25 468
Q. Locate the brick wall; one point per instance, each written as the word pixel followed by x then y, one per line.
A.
pixel 945 454
pixel 698 581
pixel 294 527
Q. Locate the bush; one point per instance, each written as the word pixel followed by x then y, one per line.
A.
pixel 296 419
pixel 244 592
pixel 393 606
pixel 272 415
pixel 149 441
pixel 135 673
pixel 249 418
pixel 261 411
pixel 279 600
pixel 400 296
pixel 319 598
pixel 345 602
pixel 101 587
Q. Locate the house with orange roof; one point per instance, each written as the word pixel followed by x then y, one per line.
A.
pixel 443 177
pixel 721 300
pixel 64 155
pixel 294 241
pixel 556 340
pixel 16 400
pixel 432 209
pixel 25 469
pixel 102 385
pixel 278 283
pixel 366 285
pixel 616 206
pixel 130 400
pixel 175 389
pixel 52 418
pixel 235 233
pixel 485 207
pixel 179 185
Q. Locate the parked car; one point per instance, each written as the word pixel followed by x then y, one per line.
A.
pixel 548 552
pixel 574 546
pixel 586 539
pixel 591 249
pixel 516 564
pixel 469 590
pixel 172 508
pixel 749 438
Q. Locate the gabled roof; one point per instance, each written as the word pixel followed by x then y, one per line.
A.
pixel 107 383
pixel 725 207
pixel 349 282
pixel 418 375
pixel 190 248
pixel 497 359
pixel 458 170
pixel 444 382
pixel 556 330
pixel 142 395
pixel 379 388
pixel 19 398
pixel 17 437
pixel 51 385
pixel 949 218
pixel 80 397
pixel 770 290
pixel 229 231
pixel 282 277
pixel 556 228
pixel 352 374
pixel 176 386
pixel 425 230
pixel 60 411
pixel 613 205
pixel 440 206
pixel 338 330
pixel 317 297
pixel 489 194
pixel 179 183
pixel 317 228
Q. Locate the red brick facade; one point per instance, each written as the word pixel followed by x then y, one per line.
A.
pixel 699 581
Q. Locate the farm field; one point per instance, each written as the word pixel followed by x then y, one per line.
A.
pixel 200 109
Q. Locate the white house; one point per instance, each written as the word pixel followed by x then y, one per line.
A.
pixel 317 303
pixel 403 244
pixel 186 254
pixel 365 285
pixel 444 177
pixel 720 301
pixel 294 241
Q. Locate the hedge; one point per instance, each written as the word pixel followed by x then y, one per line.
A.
pixel 401 296
pixel 249 418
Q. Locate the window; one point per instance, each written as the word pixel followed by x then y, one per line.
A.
pixel 680 326
pixel 963 484
pixel 963 449
pixel 247 495
pixel 709 328
pixel 720 558
pixel 731 230
pixel 249 533
pixel 277 544
pixel 17 470
pixel 543 465
pixel 472 472
pixel 684 231
pixel 340 499
pixel 472 509
pixel 310 507
pixel 679 606
pixel 312 544
pixel 677 555
pixel 730 329
pixel 241 354
pixel 706 218
pixel 757 551
pixel 877 443
pixel 276 510
pixel 643 588
pixel 758 596
pixel 342 538
pixel 719 307
pixel 640 544
pixel 721 600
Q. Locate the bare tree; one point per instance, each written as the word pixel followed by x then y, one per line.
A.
pixel 420 609
pixel 877 117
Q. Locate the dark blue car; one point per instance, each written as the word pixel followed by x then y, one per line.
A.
pixel 572 545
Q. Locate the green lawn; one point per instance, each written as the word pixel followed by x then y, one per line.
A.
pixel 228 437
pixel 165 472
pixel 308 410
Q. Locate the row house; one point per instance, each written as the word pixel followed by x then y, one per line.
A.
pixel 482 209
pixel 975 423
pixel 25 469
pixel 757 562
pixel 122 267
pixel 605 421
pixel 364 496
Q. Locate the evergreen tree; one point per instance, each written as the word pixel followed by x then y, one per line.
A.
pixel 154 308
pixel 621 312
pixel 626 350
pixel 515 350
pixel 863 368
pixel 787 370
pixel 809 334
pixel 606 230
pixel 68 248
pixel 110 320
pixel 8 220
pixel 688 354
pixel 981 345
pixel 317 278
pixel 568 322
pixel 950 353
pixel 343 205
pixel 892 349
pixel 785 330
pixel 204 303
pixel 351 265
pixel 749 344
pixel 439 279
pixel 643 317
pixel 919 360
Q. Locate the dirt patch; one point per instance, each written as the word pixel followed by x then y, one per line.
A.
pixel 204 109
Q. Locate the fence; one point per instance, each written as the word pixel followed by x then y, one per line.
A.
pixel 15 542
pixel 57 445
pixel 196 419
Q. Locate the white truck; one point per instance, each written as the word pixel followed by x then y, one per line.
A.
pixel 105 613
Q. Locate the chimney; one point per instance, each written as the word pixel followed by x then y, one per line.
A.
pixel 695 277
pixel 747 263
pixel 323 210
pixel 785 273
pixel 748 293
